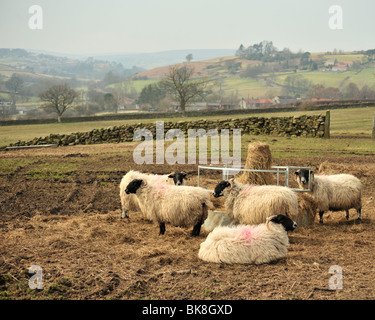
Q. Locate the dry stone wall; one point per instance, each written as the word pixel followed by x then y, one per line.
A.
pixel 305 126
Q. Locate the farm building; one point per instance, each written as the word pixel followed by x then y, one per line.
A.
pixel 255 103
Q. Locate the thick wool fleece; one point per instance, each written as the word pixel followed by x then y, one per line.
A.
pixel 336 192
pixel 250 204
pixel 245 244
pixel 130 201
pixel 181 206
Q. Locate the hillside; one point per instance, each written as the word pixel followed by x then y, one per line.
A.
pixel 232 71
pixel 32 64
pixel 150 60
pixel 246 78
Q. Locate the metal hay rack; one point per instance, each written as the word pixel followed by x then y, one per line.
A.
pixel 278 170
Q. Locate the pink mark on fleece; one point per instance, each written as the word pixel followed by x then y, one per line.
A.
pixel 245 234
pixel 323 176
pixel 158 179
pixel 248 189
pixel 159 190
pixel 249 233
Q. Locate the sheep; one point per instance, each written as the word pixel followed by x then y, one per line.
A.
pixel 181 206
pixel 337 192
pixel 130 202
pixel 251 204
pixel 248 244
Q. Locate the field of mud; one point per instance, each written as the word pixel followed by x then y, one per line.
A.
pixel 60 210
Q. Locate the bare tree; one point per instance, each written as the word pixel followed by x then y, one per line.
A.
pixel 113 101
pixel 189 57
pixel 180 85
pixel 58 98
pixel 14 85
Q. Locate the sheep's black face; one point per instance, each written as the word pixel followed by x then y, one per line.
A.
pixel 133 186
pixel 287 223
pixel 303 176
pixel 219 189
pixel 178 178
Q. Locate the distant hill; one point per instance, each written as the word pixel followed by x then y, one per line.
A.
pixel 164 58
pixel 29 64
pixel 259 79
pixel 234 73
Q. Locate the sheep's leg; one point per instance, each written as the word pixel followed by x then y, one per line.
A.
pixel 321 216
pixel 359 215
pixel 197 229
pixel 347 215
pixel 124 214
pixel 162 228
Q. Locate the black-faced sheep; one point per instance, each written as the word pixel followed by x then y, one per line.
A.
pixel 252 204
pixel 337 192
pixel 130 202
pixel 181 206
pixel 246 244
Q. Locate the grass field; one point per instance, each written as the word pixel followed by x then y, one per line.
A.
pixel 246 87
pixel 344 123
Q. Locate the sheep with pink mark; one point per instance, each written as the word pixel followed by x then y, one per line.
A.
pixel 130 202
pixel 181 206
pixel 253 204
pixel 248 244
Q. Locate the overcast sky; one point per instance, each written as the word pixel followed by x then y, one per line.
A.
pixel 127 26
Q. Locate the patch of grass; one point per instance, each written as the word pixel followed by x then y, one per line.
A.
pixel 11 165
pixel 347 122
pixel 289 148
pixel 246 87
pixel 52 170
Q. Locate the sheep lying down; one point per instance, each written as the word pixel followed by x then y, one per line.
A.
pixel 248 244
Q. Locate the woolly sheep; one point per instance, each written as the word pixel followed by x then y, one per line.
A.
pixel 337 192
pixel 252 204
pixel 255 244
pixel 181 206
pixel 130 202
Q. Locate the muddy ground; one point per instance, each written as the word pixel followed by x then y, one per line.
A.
pixel 60 210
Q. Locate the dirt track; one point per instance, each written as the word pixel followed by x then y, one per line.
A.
pixel 66 219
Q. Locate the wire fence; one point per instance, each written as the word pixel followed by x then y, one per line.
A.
pixel 282 173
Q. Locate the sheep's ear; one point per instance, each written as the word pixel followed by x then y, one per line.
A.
pixel 171 175
pixel 277 218
pixel 296 173
pixel 144 183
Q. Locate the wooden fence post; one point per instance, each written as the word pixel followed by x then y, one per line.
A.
pixel 373 128
pixel 327 125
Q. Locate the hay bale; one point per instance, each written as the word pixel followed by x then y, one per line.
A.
pixel 307 207
pixel 259 158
